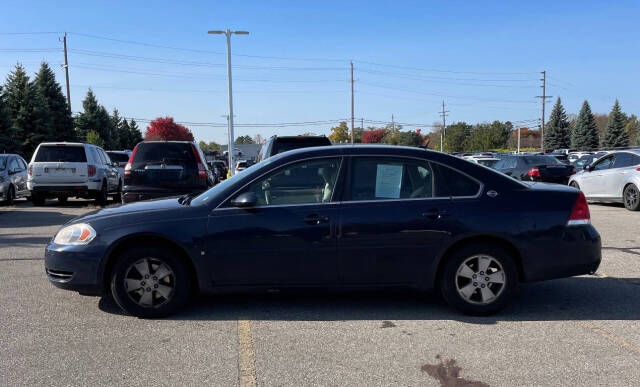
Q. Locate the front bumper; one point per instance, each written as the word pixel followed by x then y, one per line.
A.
pixel 577 252
pixel 74 268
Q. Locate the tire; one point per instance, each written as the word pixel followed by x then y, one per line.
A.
pixel 101 196
pixel 62 199
pixel 466 293
pixel 128 288
pixel 631 197
pixel 574 185
pixel 37 199
pixel 11 195
pixel 117 198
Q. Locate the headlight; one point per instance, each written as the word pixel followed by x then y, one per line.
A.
pixel 76 234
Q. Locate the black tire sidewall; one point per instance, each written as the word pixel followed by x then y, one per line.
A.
pixel 624 195
pixel 102 195
pixel 448 279
pixel 181 291
pixel 11 195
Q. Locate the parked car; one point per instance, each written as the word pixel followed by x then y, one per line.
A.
pixel 613 178
pixel 575 156
pixel 120 157
pixel 279 144
pixel 545 168
pixel 241 165
pixel 219 169
pixel 13 178
pixel 159 169
pixel 487 161
pixel 355 216
pixel 66 169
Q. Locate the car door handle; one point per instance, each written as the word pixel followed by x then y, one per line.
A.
pixel 435 214
pixel 315 219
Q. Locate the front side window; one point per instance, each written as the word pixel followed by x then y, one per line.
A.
pixel 305 182
pixel 604 164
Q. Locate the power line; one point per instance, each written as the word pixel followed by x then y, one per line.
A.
pixel 430 77
pixel 444 71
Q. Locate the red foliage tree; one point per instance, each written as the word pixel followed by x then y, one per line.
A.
pixel 164 128
pixel 373 136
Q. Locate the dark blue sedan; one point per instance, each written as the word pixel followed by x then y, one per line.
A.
pixel 339 216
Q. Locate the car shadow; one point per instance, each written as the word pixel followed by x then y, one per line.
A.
pixel 577 298
pixel 19 240
pixel 20 218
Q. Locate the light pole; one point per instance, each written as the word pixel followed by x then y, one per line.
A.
pixel 228 34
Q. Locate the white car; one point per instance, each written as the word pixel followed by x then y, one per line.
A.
pixel 65 169
pixel 613 178
pixel 241 165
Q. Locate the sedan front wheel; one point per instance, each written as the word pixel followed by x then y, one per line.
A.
pixel 479 279
pixel 150 282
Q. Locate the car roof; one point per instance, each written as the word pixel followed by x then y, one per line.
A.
pixel 166 141
pixel 636 151
pixel 66 143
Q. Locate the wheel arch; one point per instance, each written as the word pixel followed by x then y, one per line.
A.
pixel 480 239
pixel 148 239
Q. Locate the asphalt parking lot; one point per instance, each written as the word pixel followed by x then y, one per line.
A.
pixel 576 331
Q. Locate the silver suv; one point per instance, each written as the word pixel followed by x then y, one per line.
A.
pixel 65 169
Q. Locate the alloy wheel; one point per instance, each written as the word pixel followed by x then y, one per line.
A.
pixel 480 279
pixel 631 196
pixel 150 283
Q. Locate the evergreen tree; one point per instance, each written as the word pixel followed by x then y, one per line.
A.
pixel 615 134
pixel 136 135
pixel 58 119
pixel 585 132
pixel 633 129
pixel 116 135
pixel 94 117
pixel 7 140
pixel 28 112
pixel 557 134
pixel 125 134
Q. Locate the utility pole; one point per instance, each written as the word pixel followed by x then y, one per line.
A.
pixel 228 34
pixel 362 124
pixel 543 97
pixel 393 123
pixel 352 102
pixel 518 139
pixel 443 132
pixel 66 70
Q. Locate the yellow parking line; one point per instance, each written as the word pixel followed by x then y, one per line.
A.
pixel 246 356
pixel 613 338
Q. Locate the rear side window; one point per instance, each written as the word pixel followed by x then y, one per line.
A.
pixel 623 160
pixel 458 184
pixel 150 153
pixel 61 153
pixel 119 157
pixel 374 178
pixel 530 160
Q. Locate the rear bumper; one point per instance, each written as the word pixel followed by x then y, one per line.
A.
pixel 134 194
pixel 80 189
pixel 70 268
pixel 578 252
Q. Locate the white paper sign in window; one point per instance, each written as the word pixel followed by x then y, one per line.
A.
pixel 388 180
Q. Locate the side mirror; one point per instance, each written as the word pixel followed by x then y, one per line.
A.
pixel 587 167
pixel 245 200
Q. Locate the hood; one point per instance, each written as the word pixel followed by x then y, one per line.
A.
pixel 131 209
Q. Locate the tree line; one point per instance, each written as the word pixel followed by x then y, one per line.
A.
pixel 35 110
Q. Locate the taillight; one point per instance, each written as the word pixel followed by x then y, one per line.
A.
pixel 580 212
pixel 30 170
pixel 91 170
pixel 638 169
pixel 202 170
pixel 127 167
pixel 534 172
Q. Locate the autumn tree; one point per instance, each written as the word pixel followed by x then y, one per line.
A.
pixel 165 129
pixel 373 136
pixel 340 133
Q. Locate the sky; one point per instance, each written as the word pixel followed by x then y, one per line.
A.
pixel 483 59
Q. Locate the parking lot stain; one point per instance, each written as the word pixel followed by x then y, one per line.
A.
pixel 387 324
pixel 447 373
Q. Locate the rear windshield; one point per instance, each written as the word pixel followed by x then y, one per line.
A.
pixel 3 162
pixel 286 144
pixel 61 153
pixel 541 160
pixel 119 157
pixel 167 153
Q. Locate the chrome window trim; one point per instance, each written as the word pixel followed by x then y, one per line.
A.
pixel 339 156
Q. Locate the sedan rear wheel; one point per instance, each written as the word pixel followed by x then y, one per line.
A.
pixel 479 279
pixel 150 282
pixel 631 197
